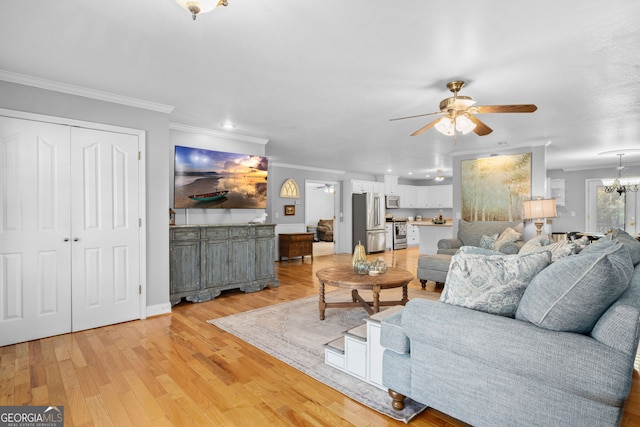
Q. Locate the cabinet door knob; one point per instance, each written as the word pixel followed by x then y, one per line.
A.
pixel 66 239
pixel 75 239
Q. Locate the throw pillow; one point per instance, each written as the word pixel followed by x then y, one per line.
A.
pixel 509 235
pixel 487 242
pixel 494 283
pixel 572 293
pixel 535 243
pixel 558 249
pixel 630 242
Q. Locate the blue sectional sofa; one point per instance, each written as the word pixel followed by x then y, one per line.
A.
pixel 565 358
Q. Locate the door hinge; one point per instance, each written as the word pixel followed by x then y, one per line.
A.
pixel 139 289
pixel 139 155
pixel 139 222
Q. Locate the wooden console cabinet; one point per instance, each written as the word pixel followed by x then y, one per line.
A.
pixel 295 244
pixel 207 259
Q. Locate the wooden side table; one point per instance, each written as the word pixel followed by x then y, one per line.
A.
pixel 295 244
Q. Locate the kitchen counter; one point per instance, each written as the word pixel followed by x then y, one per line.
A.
pixel 430 233
pixel 428 223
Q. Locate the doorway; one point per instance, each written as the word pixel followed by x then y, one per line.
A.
pixel 320 204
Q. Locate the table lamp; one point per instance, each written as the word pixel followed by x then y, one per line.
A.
pixel 539 209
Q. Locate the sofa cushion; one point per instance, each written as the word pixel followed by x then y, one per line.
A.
pixel 571 294
pixel 491 283
pixel 509 235
pixel 487 242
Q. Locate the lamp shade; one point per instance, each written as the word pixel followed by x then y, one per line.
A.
pixel 539 208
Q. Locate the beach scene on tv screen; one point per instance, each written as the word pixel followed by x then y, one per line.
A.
pixel 207 179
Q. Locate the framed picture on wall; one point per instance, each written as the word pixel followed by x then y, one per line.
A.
pixel 289 209
pixel 493 188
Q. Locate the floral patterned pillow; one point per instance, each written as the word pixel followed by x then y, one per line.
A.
pixel 491 283
pixel 487 242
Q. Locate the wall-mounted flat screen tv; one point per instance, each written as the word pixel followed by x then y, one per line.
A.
pixel 206 179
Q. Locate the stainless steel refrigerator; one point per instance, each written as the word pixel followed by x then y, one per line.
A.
pixel 368 221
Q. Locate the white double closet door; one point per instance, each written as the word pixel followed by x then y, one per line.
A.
pixel 69 229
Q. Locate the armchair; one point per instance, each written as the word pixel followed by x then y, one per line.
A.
pixel 325 230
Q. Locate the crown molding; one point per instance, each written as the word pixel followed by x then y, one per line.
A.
pixel 26 80
pixel 308 168
pixel 218 133
pixel 488 152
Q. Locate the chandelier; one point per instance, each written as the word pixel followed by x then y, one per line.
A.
pixel 200 6
pixel 616 186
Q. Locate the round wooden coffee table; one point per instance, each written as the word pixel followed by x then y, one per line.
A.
pixel 345 277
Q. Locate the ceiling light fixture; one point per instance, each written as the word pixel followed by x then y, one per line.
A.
pixel 439 175
pixel 200 6
pixel 616 186
pixel 450 124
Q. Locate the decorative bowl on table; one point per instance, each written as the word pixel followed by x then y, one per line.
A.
pixel 439 221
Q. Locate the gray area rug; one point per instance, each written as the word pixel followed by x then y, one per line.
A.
pixel 293 333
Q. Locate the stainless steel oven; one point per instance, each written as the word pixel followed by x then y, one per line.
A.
pixel 399 234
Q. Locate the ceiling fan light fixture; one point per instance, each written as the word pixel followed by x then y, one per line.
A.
pixel 446 126
pixel 200 6
pixel 464 124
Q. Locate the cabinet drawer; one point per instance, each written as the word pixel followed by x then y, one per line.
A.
pixel 215 233
pixel 301 237
pixel 265 232
pixel 185 233
pixel 239 232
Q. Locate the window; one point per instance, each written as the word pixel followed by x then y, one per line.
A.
pixel 606 211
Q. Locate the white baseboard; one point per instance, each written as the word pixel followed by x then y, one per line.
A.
pixel 158 309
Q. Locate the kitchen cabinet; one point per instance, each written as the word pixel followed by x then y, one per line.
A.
pixel 413 235
pixel 207 259
pixel 439 196
pixel 407 196
pixel 359 186
pixel 391 185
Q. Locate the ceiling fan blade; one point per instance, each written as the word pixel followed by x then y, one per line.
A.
pixel 519 108
pixel 413 117
pixel 424 128
pixel 481 128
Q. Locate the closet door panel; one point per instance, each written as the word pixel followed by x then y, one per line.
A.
pixel 35 248
pixel 106 273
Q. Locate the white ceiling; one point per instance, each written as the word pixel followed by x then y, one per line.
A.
pixel 321 79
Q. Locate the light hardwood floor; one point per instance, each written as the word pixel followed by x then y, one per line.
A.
pixel 178 370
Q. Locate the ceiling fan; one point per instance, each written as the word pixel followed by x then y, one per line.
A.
pixel 327 188
pixel 459 114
